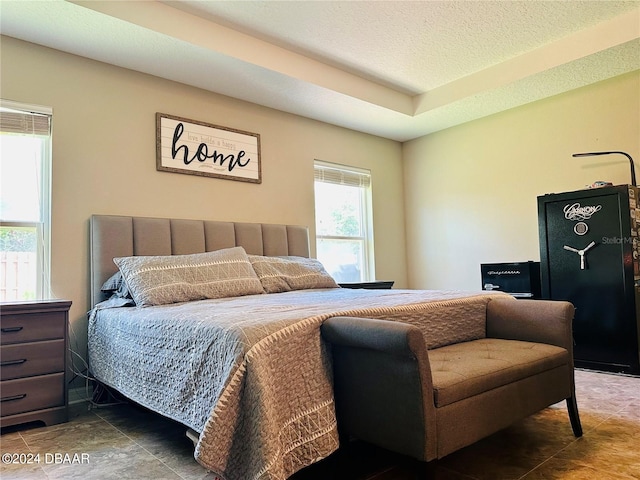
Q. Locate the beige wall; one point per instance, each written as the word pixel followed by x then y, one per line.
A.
pixel 104 160
pixel 470 191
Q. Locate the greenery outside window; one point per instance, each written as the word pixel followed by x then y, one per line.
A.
pixel 25 164
pixel 344 227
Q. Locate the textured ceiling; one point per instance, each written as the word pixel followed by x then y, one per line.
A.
pixel 390 68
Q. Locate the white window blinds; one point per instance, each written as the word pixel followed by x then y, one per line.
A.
pixel 25 123
pixel 340 175
pixel 24 119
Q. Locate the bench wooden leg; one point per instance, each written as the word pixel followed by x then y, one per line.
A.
pixel 574 416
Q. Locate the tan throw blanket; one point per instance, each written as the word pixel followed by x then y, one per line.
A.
pixel 252 374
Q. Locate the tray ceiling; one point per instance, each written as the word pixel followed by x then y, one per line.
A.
pixel 396 69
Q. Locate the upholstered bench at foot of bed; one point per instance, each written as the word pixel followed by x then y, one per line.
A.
pixel 393 392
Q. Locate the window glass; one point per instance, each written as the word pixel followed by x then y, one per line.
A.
pixel 339 211
pixel 18 263
pixel 21 167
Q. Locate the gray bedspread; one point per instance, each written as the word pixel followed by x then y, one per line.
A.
pixel 251 374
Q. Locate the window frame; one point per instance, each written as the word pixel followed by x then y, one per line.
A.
pixel 43 226
pixel 338 174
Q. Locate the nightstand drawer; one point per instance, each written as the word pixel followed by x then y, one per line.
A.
pixel 29 327
pixel 29 359
pixel 27 394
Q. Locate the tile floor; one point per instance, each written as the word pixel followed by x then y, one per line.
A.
pixel 125 441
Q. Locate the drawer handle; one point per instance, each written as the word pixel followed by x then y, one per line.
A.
pixel 11 329
pixel 13 362
pixel 13 397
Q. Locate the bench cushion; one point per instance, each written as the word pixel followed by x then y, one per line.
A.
pixel 470 368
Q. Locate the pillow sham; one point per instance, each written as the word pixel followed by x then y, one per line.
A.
pixel 115 286
pixel 112 283
pixel 283 274
pixel 158 280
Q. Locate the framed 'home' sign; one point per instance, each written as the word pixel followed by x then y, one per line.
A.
pixel 199 148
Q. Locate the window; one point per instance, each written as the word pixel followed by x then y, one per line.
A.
pixel 25 160
pixel 344 229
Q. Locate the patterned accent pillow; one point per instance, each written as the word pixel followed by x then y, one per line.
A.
pixel 283 274
pixel 158 280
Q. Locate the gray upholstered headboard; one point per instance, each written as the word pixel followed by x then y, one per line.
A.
pixel 120 236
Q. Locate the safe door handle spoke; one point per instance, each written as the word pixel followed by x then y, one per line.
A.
pixel 581 253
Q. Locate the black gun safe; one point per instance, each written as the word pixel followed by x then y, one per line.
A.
pixel 589 256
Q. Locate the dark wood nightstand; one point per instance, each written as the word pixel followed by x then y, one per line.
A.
pixel 33 361
pixel 375 285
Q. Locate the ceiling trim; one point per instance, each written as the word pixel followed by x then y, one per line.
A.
pixel 164 19
pixel 622 29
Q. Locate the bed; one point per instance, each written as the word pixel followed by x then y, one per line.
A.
pixel 246 369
